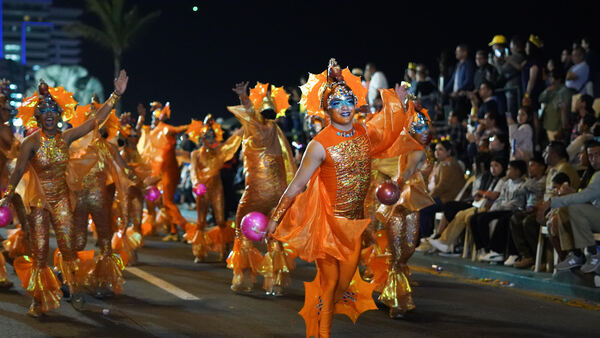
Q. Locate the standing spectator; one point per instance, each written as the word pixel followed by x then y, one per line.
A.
pixel 584 212
pixel 461 81
pixel 531 74
pixel 591 58
pixel 376 80
pixel 410 74
pixel 565 59
pixel 521 135
pixel 556 100
pixel 579 74
pixel 523 226
pixel 426 92
pixel 485 71
pixel 509 66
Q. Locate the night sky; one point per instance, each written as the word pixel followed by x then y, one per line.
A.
pixel 193 59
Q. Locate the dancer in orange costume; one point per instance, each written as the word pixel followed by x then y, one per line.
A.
pixel 94 164
pixel 268 168
pixel 207 162
pixel 46 154
pixel 401 221
pixel 325 223
pixel 160 152
pixel 127 240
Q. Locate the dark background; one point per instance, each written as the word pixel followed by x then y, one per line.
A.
pixel 193 59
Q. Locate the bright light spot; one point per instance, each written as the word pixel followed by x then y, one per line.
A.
pixel 12 86
pixel 59 125
pixel 195 8
pixel 17 122
pixel 35 67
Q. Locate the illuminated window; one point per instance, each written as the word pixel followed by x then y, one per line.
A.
pixel 13 57
pixel 11 47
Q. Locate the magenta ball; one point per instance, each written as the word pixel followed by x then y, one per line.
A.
pixel 5 216
pixel 254 226
pixel 388 193
pixel 152 194
pixel 200 189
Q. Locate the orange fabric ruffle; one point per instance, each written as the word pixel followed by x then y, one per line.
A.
pixel 377 260
pixel 14 244
pixel 277 265
pixel 313 231
pixel 200 243
pixel 3 274
pixel 244 256
pixel 108 273
pixel 125 242
pixel 397 293
pixel 41 284
pixel 219 237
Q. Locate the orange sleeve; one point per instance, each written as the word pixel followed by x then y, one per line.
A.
pixel 385 127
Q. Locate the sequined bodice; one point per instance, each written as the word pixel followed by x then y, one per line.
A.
pixel 50 164
pixel 346 170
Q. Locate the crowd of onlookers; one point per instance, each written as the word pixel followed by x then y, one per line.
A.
pixel 522 129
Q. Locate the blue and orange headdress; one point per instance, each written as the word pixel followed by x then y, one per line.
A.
pixel 197 129
pixel 46 99
pixel 319 87
pixel 159 111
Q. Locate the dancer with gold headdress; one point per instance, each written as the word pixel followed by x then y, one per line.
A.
pixel 207 162
pixel 95 164
pixel 325 223
pixel 45 155
pixel 160 153
pixel 268 168
pixel 397 241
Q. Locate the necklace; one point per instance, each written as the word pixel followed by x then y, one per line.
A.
pixel 349 133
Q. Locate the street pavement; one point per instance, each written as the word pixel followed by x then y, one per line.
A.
pixel 194 300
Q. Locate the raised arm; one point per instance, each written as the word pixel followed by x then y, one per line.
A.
pixel 120 86
pixel 27 151
pixel 313 157
pixel 141 109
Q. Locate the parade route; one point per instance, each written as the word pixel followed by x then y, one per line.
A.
pixel 167 295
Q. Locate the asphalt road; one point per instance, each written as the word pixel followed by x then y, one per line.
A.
pixel 446 307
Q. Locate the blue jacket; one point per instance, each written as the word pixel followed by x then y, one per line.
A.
pixel 465 75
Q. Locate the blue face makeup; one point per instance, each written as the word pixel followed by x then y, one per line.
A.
pixel 338 103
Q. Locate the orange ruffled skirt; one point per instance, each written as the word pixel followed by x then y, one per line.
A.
pixel 39 283
pixel 312 230
pixel 125 242
pixel 244 256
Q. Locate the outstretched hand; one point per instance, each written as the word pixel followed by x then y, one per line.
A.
pixel 241 88
pixel 121 82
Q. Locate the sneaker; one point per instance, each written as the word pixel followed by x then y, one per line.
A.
pixel 492 256
pixel 524 263
pixel 591 263
pixel 571 261
pixel 511 260
pixel 439 245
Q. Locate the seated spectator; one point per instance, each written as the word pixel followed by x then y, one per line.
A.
pixel 584 212
pixel 485 71
pixel 461 81
pixel 583 107
pixel 499 146
pixel 484 196
pixel 521 135
pixel 456 131
pixel 426 92
pixel 556 101
pixel 557 160
pixel 445 181
pixel 486 101
pixel 575 148
pixel 579 74
pixel 589 171
pixel 523 227
pixel 491 241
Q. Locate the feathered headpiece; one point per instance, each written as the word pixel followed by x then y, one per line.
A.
pixel 46 99
pixel 197 129
pixel 83 113
pixel 264 97
pixel 159 111
pixel 319 87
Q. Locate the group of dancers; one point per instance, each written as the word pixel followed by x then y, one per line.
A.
pixel 324 211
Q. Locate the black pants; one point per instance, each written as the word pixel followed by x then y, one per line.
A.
pixel 524 230
pixel 480 227
pixel 451 208
pixel 427 218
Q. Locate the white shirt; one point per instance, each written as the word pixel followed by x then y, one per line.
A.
pixel 378 81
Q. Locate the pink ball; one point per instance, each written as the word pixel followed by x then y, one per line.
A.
pixel 5 216
pixel 200 189
pixel 254 226
pixel 152 193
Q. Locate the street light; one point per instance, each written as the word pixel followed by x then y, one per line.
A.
pixel 195 8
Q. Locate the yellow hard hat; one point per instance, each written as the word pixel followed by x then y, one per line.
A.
pixel 498 40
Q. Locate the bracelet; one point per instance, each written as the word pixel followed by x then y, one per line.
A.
pixel 283 205
pixel 9 190
pixel 114 98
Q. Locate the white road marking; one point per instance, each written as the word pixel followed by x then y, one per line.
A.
pixel 163 284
